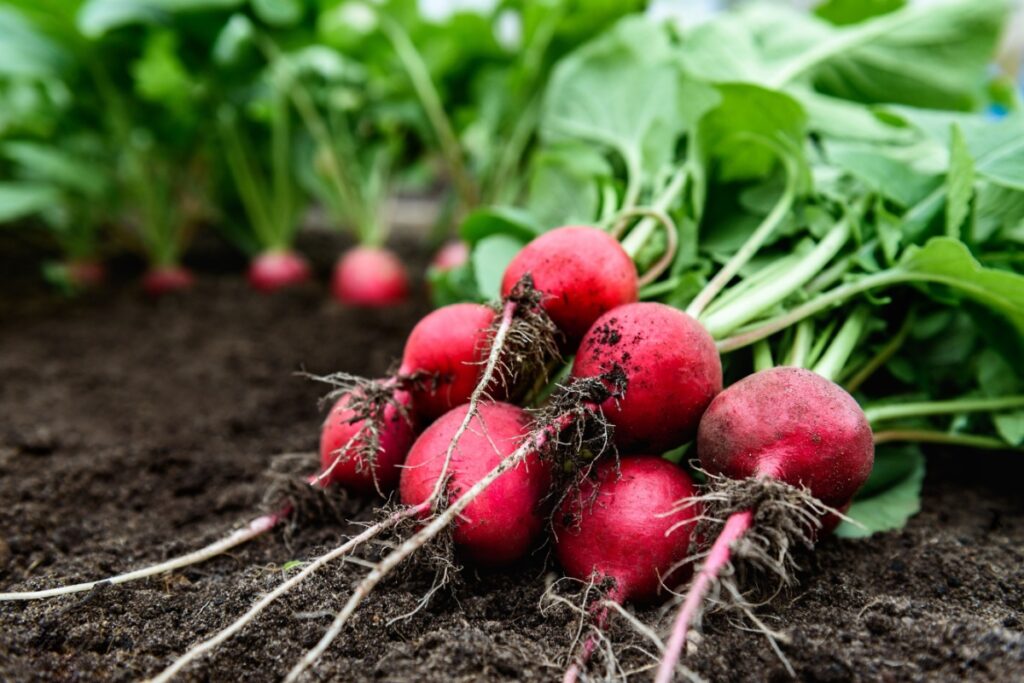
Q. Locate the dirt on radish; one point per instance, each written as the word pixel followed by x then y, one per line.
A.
pixel 106 463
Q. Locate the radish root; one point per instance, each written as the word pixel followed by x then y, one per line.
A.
pixel 534 442
pixel 253 529
pixel 221 636
pixel 757 524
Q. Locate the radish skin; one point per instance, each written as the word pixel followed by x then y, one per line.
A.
pixel 277 269
pixel 672 372
pixel 448 346
pixel 161 280
pixel 582 273
pixel 625 524
pixel 503 522
pixel 370 276
pixel 344 436
pixel 793 425
pixel 787 424
pixel 450 256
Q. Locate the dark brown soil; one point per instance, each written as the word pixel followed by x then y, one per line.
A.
pixel 131 431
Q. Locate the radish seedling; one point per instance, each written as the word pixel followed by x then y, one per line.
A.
pixel 370 276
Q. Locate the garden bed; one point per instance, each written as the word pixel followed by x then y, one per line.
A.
pixel 132 430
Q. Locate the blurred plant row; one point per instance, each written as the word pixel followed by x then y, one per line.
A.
pixel 135 124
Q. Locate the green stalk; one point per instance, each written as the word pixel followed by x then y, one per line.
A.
pixel 818 347
pixel 831 364
pixel 801 347
pixel 883 278
pixel 882 357
pixel 512 152
pixel 952 407
pixel 633 174
pixel 250 189
pixel 847 39
pixel 945 438
pixel 749 248
pixel 422 83
pixel 642 231
pixel 344 185
pixel 757 279
pixel 281 162
pixel 659 288
pixel 763 356
pixel 729 318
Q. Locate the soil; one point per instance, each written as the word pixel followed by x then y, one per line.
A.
pixel 131 431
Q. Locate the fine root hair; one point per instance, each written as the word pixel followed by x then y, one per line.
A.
pixel 288 487
pixel 585 436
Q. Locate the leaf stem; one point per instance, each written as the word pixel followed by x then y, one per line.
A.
pixel 425 89
pixel 844 40
pixel 935 436
pixel 801 347
pixel 725 320
pixel 951 407
pixel 832 363
pixel 763 356
pixel 750 246
pixel 882 357
pixel 642 231
pixel 819 303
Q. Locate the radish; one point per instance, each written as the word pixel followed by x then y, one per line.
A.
pixel 160 280
pixel 797 446
pixel 276 269
pixel 369 276
pixel 81 273
pixel 514 454
pixel 362 448
pixel 501 524
pixel 448 346
pixel 452 255
pixel 582 272
pixel 793 425
pixel 625 525
pixel 670 368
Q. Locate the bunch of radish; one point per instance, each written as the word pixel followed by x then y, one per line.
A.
pixel 643 378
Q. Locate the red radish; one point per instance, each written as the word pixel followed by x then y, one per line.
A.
pixel 449 345
pixel 161 280
pixel 671 369
pixel 84 273
pixel 581 271
pixel 792 425
pixel 785 424
pixel 369 276
pixel 344 437
pixel 277 269
pixel 452 255
pixel 504 521
pixel 627 525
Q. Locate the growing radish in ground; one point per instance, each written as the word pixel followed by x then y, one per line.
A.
pixel 793 445
pixel 276 269
pixel 625 526
pixel 370 276
pixel 78 273
pixel 452 255
pixel 362 448
pixel 503 522
pixel 670 367
pixel 161 280
pixel 581 272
